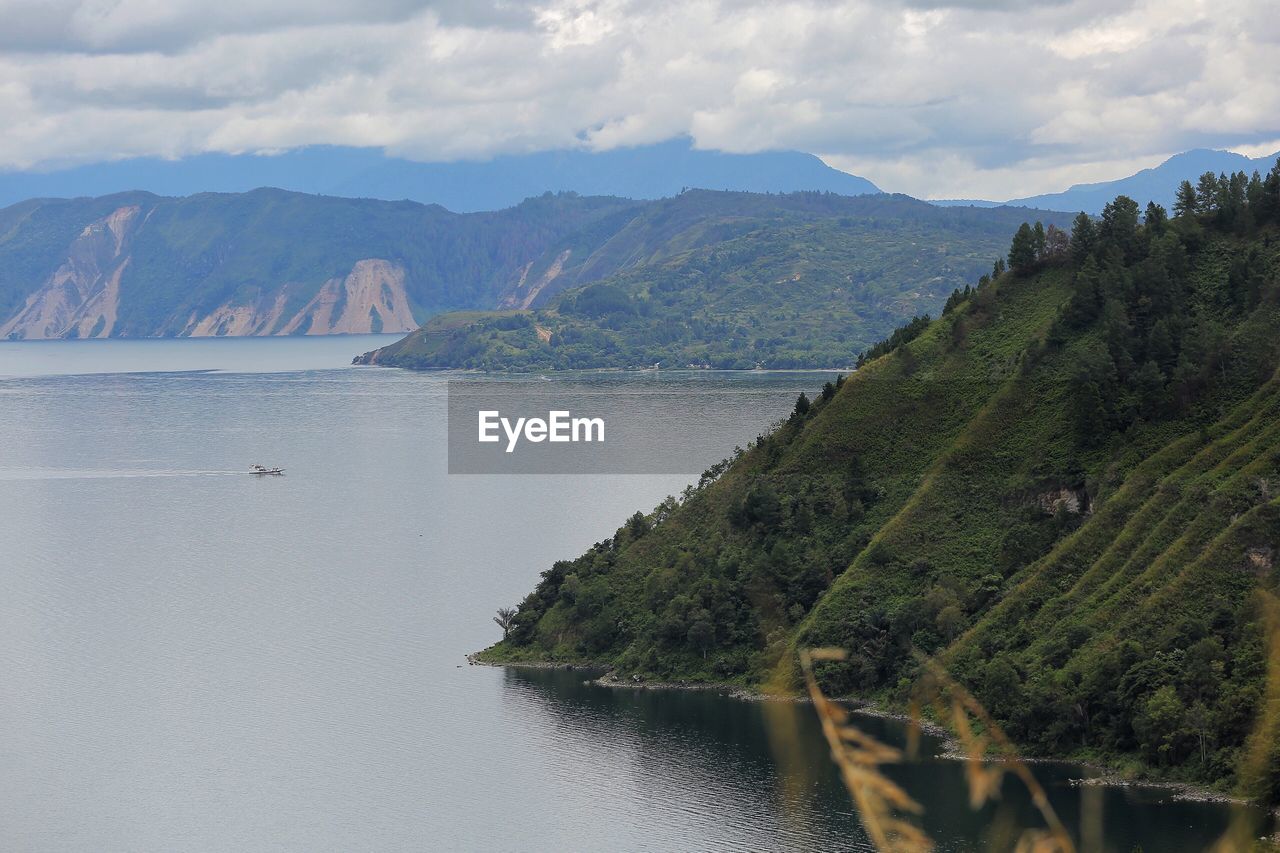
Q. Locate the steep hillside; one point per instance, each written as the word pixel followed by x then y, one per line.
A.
pixel 728 280
pixel 266 262
pixel 1064 488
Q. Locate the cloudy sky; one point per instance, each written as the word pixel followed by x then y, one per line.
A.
pixel 977 98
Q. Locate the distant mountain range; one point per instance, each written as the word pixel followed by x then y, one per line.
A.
pixel 267 262
pixel 273 262
pixel 367 257
pixel 1156 184
pixel 646 172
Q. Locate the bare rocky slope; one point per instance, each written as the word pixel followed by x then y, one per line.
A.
pixel 267 262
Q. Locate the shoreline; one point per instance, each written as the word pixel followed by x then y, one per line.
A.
pixel 480 371
pixel 1107 776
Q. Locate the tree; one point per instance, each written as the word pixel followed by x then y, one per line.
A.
pixel 1086 297
pixel 759 506
pixel 1022 252
pixel 1038 239
pixel 957 296
pixel 506 618
pixel 1200 722
pixel 1160 345
pixel 1207 193
pixel 1269 202
pixel 950 622
pixel 1094 387
pixel 1155 219
pixel 1149 385
pixel 1185 204
pixel 1056 245
pixel 702 633
pixel 1159 723
pixel 1002 687
pixel 1084 238
pixel 637 526
pixel 802 405
pixel 1120 225
pixel 1092 426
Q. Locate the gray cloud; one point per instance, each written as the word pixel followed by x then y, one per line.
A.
pixel 110 26
pixel 933 98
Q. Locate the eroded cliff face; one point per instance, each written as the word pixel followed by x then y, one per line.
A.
pixel 523 292
pixel 371 298
pixel 81 299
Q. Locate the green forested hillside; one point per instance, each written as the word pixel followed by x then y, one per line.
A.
pixel 730 280
pixel 1065 488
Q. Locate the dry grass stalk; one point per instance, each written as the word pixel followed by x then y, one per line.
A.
pixel 878 799
pixel 984 778
pixel 859 756
pixel 1261 745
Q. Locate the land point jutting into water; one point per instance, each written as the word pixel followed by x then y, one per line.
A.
pixel 617 426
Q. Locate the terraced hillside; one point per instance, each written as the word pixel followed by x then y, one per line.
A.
pixel 1065 488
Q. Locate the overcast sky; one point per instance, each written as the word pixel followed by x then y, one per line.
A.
pixel 984 98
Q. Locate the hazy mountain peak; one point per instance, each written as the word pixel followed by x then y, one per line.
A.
pixel 645 172
pixel 1157 183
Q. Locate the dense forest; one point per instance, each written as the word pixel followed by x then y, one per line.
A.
pixel 732 281
pixel 1064 488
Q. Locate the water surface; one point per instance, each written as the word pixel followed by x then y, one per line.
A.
pixel 192 658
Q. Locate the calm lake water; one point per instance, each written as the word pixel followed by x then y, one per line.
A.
pixel 195 659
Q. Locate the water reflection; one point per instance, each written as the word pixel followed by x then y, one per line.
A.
pixel 764 765
pixel 198 661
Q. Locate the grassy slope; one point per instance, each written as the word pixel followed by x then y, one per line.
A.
pixel 913 510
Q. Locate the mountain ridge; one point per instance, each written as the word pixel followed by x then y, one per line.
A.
pixel 1155 184
pixel 274 262
pixel 262 263
pixel 643 172
pixel 729 281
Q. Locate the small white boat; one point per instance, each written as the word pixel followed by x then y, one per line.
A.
pixel 262 469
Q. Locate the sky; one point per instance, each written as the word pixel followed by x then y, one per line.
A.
pixel 967 99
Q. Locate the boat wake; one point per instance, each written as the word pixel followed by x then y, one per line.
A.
pixel 18 474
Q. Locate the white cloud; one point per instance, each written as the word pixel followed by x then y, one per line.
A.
pixel 938 99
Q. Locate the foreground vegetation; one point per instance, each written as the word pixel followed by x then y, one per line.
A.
pixel 1064 489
